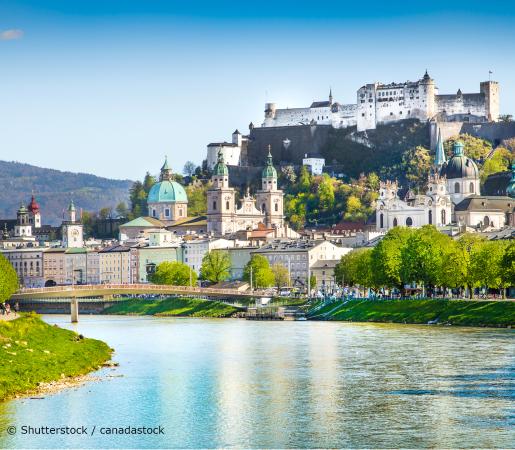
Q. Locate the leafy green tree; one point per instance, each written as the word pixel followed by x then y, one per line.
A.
pixel 304 184
pixel 326 193
pixel 499 162
pixel 312 282
pixel 468 246
pixel 423 256
pixel 105 213
pixel 8 279
pixel 197 198
pixel 373 181
pixel 174 273
pixel 148 182
pixel 487 264
pixel 416 164
pixel 216 266
pixel 387 259
pixel 262 275
pixel 354 209
pixel 281 275
pixel 508 264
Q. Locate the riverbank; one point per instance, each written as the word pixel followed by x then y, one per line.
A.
pixel 34 355
pixel 438 311
pixel 172 307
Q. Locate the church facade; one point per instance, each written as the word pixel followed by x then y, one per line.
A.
pixel 266 208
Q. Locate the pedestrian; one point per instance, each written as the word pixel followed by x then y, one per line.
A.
pixel 8 309
pixel 16 309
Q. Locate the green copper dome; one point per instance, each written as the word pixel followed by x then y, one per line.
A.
pixel 459 166
pixel 167 191
pixel 510 190
pixel 220 168
pixel 269 170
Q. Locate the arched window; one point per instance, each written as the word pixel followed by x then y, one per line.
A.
pixel 486 221
pixel 444 217
pixel 263 208
pixel 457 187
pixel 471 187
pixel 395 221
pixel 430 218
pixel 214 204
pixel 409 222
pixel 227 205
pixel 381 221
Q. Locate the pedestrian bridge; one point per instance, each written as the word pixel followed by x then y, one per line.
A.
pixel 109 290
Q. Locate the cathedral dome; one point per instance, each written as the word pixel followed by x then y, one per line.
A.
pixel 459 166
pixel 167 191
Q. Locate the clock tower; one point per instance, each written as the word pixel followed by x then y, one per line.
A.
pixel 72 230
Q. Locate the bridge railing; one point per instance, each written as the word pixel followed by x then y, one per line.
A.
pixel 133 287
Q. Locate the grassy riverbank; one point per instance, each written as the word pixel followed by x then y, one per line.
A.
pixel 455 312
pixel 33 352
pixel 182 307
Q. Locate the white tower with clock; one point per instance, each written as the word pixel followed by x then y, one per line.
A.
pixel 72 230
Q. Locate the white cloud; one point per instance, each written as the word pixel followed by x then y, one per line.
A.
pixel 9 35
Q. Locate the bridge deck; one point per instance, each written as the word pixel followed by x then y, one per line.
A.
pixel 102 290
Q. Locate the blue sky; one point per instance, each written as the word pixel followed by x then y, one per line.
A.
pixel 110 87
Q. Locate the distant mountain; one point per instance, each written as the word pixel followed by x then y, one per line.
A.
pixel 54 189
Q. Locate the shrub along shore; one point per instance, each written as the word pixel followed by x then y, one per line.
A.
pixel 421 311
pixel 33 352
pixel 179 307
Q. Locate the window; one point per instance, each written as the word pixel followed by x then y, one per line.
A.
pixel 263 208
pixel 214 204
pixel 167 212
pixel 457 188
pixel 444 217
pixel 395 222
pixel 409 222
pixel 381 220
pixel 486 221
pixel 276 207
pixel 430 218
pixel 471 188
pixel 227 205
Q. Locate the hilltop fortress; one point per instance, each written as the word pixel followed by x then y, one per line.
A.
pixel 378 103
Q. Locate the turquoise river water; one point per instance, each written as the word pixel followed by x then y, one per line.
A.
pixel 236 383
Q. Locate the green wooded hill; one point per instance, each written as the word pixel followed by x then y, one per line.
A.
pixel 53 190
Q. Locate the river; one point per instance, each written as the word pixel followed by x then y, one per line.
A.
pixel 236 383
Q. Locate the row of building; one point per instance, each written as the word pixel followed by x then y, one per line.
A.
pixel 134 262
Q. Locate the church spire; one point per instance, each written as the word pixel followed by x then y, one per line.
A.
pixel 440 153
pixel 166 171
pixel 331 96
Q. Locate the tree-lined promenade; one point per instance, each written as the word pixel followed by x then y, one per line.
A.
pixel 430 260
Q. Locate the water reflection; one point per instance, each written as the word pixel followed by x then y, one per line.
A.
pixel 231 383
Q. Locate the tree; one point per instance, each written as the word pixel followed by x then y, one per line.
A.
pixel 122 210
pixel 8 279
pixel 354 210
pixel 416 164
pixel 312 282
pixel 505 118
pixel 508 264
pixel 281 275
pixel 262 275
pixel 216 266
pixel 387 259
pixel 355 268
pixel 468 246
pixel 498 162
pixel 148 182
pixel 326 193
pixel 189 168
pixel 289 174
pixel 304 184
pixel 106 213
pixel 197 198
pixel 174 273
pixel 423 256
pixel 487 264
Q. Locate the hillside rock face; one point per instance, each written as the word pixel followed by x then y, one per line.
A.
pixel 54 189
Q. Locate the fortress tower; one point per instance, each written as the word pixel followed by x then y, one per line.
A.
pixel 491 91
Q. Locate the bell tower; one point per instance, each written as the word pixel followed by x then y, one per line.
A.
pixel 221 204
pixel 269 200
pixel 72 230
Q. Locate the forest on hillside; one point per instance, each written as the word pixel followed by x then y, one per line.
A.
pixel 54 189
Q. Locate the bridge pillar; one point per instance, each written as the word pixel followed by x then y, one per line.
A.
pixel 74 309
